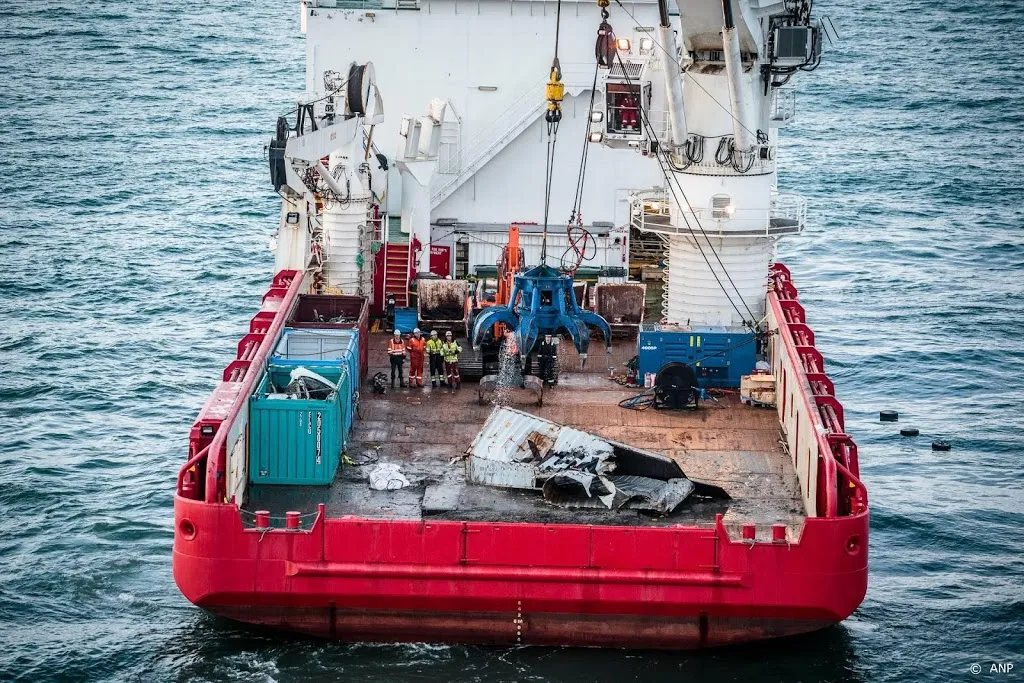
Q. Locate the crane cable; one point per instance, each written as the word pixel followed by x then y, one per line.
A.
pixel 579 237
pixel 554 91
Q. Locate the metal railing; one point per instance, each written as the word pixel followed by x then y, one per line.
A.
pixel 783 106
pixel 789 206
pixel 524 105
pixel 650 211
pixel 364 4
pixel 210 463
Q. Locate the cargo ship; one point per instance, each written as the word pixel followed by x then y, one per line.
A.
pixel 617 460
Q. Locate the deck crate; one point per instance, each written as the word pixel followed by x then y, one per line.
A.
pixel 294 441
pixel 406 320
pixel 315 311
pixel 314 348
pixel 338 373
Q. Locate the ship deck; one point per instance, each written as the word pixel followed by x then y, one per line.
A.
pixel 427 431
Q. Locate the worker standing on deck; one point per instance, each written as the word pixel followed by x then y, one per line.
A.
pixel 390 302
pixel 546 353
pixel 451 350
pixel 417 344
pixel 434 353
pixel 396 352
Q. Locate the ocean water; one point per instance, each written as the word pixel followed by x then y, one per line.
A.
pixel 134 216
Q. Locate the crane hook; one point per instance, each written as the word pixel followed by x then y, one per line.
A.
pixel 555 93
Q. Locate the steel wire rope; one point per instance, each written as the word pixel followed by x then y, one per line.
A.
pixel 576 215
pixel 549 165
pixel 553 117
pixel 672 178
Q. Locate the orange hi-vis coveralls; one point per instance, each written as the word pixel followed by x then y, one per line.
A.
pixel 396 353
pixel 416 349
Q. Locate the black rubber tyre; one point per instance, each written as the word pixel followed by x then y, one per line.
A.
pixel 888 416
pixel 941 446
pixel 910 431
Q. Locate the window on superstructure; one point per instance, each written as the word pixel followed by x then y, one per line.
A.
pixel 623 103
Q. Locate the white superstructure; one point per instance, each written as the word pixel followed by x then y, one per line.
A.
pixel 478 161
pixel 720 213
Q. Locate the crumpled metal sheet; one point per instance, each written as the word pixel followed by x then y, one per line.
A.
pixel 514 475
pixel 644 493
pixel 508 434
pixel 574 489
pixel 585 451
pixel 514 449
pixel 575 468
pixel 581 444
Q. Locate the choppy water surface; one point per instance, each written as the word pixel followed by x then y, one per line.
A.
pixel 134 214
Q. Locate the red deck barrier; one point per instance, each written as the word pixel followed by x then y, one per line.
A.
pixel 807 396
pixel 252 351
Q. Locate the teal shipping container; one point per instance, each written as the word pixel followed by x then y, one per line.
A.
pixel 280 375
pixel 294 441
pixel 315 349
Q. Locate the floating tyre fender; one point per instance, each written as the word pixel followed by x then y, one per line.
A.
pixel 910 431
pixel 361 80
pixel 888 416
pixel 939 445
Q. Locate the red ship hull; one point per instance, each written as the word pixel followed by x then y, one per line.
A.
pixel 671 587
pixel 373 580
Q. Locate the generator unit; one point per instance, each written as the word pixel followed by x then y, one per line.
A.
pixel 720 356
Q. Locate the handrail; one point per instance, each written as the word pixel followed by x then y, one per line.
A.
pixel 216 466
pixel 651 211
pixel 486 135
pixel 532 94
pixel 189 464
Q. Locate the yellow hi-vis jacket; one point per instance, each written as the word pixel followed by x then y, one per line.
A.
pixel 434 346
pixel 451 351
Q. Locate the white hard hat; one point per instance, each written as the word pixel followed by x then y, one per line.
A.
pixel 398 332
pixel 433 333
pixel 416 331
